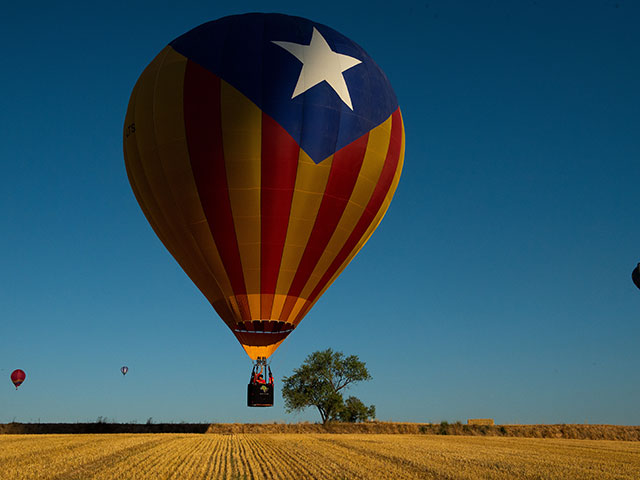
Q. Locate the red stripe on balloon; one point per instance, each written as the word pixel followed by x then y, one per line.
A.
pixel 371 210
pixel 280 154
pixel 203 126
pixel 345 169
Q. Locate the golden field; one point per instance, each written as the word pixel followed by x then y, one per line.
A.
pixel 308 456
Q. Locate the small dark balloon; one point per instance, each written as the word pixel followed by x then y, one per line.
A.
pixel 635 275
pixel 124 370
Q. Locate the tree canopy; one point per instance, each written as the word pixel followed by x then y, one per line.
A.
pixel 319 383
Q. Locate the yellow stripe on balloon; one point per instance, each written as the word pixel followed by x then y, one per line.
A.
pixel 379 216
pixel 242 143
pixel 131 155
pixel 297 307
pixel 152 180
pixel 374 224
pixel 388 197
pixel 138 138
pixel 311 181
pixel 375 154
pixel 173 154
pixel 149 181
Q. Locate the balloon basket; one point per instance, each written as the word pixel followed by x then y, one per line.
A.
pixel 260 395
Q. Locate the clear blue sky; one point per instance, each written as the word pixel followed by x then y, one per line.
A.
pixel 498 285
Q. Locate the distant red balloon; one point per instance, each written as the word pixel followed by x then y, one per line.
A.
pixel 17 377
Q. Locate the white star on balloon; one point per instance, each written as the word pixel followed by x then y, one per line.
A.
pixel 320 64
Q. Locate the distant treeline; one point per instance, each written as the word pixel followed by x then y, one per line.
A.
pixel 102 427
pixel 577 431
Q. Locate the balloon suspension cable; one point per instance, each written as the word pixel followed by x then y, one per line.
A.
pixel 261 371
pixel 261 362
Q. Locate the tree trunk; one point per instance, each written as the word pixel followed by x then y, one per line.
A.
pixel 323 415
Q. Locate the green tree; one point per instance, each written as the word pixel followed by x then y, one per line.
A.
pixel 319 383
pixel 356 411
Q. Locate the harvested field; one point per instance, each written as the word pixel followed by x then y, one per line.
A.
pixel 308 456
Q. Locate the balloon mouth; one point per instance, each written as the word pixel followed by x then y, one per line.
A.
pixel 264 327
pixel 262 333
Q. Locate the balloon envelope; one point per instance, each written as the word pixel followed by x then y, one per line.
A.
pixel 124 370
pixel 17 377
pixel 264 150
pixel 635 275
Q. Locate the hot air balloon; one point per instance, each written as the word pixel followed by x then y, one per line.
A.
pixel 635 275
pixel 264 150
pixel 17 377
pixel 124 370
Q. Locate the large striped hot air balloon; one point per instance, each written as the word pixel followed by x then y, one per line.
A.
pixel 264 150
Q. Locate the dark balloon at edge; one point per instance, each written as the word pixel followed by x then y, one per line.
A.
pixel 635 275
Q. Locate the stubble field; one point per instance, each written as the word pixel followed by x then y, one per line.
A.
pixel 312 456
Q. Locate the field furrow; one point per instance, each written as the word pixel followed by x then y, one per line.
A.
pixel 275 462
pixel 360 463
pixel 66 456
pixel 14 446
pixel 82 466
pixel 220 446
pixel 302 449
pixel 198 467
pixel 232 460
pixel 163 462
pixel 132 465
pixel 294 467
pixel 190 452
pixel 261 464
pixel 207 467
pixel 220 462
pixel 245 469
